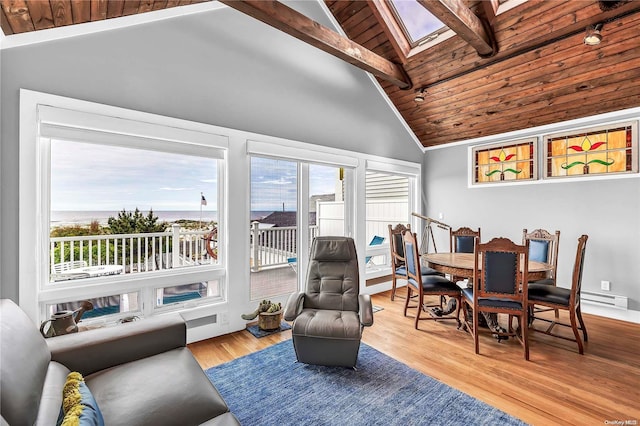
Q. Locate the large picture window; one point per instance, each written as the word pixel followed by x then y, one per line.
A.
pixel 129 215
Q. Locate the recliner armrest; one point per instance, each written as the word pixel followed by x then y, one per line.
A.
pixel 293 307
pixel 365 310
pixel 94 350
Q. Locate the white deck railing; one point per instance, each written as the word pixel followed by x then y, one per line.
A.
pixel 274 246
pixel 154 251
pixel 134 252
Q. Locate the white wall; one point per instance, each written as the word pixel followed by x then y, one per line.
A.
pixel 606 210
pixel 218 67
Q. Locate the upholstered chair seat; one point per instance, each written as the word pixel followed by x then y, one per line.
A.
pixel 549 293
pixel 490 302
pixel 318 323
pixel 435 283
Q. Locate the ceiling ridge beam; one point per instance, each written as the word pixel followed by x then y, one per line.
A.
pixel 294 23
pixel 459 18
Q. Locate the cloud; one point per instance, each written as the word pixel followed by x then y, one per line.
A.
pixel 166 188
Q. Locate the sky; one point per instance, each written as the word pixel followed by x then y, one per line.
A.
pixel 88 177
pixel 274 182
pixel 418 20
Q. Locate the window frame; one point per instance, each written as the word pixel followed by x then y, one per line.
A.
pixel 510 145
pixel 430 39
pixel 632 147
pixel 414 174
pixel 304 158
pixel 44 118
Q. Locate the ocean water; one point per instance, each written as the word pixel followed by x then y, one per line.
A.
pixel 65 218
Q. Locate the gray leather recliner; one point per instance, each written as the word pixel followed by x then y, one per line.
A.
pixel 328 318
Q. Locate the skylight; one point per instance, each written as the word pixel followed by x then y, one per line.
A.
pixel 418 24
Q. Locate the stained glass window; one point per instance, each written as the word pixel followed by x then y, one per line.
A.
pixel 594 151
pixel 510 161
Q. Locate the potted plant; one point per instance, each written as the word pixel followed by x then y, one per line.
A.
pixel 269 315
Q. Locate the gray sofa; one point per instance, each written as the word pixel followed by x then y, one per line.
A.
pixel 140 373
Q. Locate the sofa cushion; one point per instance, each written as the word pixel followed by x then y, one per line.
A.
pixel 24 360
pixel 79 407
pixel 168 389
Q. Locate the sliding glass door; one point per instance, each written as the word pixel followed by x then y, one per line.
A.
pixel 292 202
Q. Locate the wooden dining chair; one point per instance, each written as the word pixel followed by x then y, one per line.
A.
pixel 559 298
pixel 499 287
pixel 398 262
pixel 543 247
pixel 462 240
pixel 426 285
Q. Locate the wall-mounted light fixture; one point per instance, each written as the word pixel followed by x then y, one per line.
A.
pixel 593 37
pixel 420 94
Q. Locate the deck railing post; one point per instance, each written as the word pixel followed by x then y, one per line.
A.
pixel 255 267
pixel 175 245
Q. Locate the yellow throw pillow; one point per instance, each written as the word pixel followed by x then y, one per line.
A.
pixel 79 407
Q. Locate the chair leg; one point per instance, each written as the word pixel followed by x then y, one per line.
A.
pixel 458 305
pixel 406 302
pixel 393 287
pixel 576 333
pixel 475 330
pixel 522 323
pixel 418 310
pixel 584 328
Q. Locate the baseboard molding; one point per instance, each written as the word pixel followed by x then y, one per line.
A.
pixel 587 308
pixel 611 312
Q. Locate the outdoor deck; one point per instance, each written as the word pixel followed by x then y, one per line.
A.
pixel 268 283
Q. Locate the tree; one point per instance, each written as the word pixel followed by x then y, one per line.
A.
pixel 135 223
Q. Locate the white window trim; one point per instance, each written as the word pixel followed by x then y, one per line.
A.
pixel 64 117
pixel 292 153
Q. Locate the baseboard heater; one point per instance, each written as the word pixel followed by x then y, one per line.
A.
pixel 603 299
pixel 198 322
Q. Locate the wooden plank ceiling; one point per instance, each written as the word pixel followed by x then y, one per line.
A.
pixel 523 68
pixel 20 16
pixel 542 72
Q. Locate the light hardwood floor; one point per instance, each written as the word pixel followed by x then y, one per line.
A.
pixel 557 385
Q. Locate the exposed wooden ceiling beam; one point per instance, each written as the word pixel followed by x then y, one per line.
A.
pixel 285 19
pixel 458 17
pixel 382 12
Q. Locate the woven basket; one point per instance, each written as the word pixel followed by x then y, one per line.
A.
pixel 269 321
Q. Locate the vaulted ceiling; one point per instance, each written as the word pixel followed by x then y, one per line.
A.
pixel 542 72
pixel 500 71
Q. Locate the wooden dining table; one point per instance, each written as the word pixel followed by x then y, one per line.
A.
pixel 462 265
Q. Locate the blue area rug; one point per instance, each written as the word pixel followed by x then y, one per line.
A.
pixel 270 388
